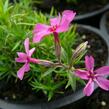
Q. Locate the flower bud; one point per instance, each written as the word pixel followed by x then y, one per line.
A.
pixel 46 63
pixel 79 50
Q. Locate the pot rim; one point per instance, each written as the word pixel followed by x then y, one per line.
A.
pixel 91 14
pixel 103 24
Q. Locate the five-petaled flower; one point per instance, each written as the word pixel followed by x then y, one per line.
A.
pixel 25 58
pixel 93 76
pixel 57 25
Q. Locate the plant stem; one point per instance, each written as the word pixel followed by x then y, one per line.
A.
pixel 57 46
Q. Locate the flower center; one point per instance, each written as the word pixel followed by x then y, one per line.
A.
pixel 53 28
pixel 28 59
pixel 91 75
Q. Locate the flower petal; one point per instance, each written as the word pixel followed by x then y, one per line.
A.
pixel 63 27
pixel 103 83
pixel 55 21
pixel 40 27
pixel 103 70
pixel 89 62
pixel 82 74
pixel 33 60
pixel 39 36
pixel 20 60
pixel 67 17
pixel 40 31
pixel 22 57
pixel 22 70
pixel 31 51
pixel 21 54
pixel 27 67
pixel 26 44
pixel 89 88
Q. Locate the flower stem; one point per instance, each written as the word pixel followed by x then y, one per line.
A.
pixel 57 46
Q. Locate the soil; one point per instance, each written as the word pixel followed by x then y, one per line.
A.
pixel 21 91
pixel 80 7
pixel 96 46
pixel 98 100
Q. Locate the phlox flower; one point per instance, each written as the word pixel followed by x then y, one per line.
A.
pixel 26 59
pixel 57 25
pixel 93 76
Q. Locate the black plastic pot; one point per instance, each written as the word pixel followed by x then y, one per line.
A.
pixel 91 18
pixel 103 24
pixel 91 14
pixel 75 98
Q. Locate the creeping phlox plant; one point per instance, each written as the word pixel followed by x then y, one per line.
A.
pixel 60 63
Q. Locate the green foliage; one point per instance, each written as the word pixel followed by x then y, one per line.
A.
pixel 16 23
pixel 37 1
pixel 51 80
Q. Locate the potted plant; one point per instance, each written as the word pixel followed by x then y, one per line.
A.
pixel 54 65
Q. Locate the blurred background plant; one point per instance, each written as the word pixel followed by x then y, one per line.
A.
pixel 72 1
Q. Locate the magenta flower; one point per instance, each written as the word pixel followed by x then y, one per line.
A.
pixel 57 25
pixel 25 58
pixel 93 76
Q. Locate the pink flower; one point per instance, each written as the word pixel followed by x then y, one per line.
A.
pixel 57 25
pixel 25 58
pixel 93 76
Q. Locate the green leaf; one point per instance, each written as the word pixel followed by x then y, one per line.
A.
pixel 38 85
pixel 6 6
pixel 71 81
pixel 64 55
pixel 48 72
pixel 81 81
pixel 16 46
pixel 24 23
pixel 50 95
pixel 52 11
